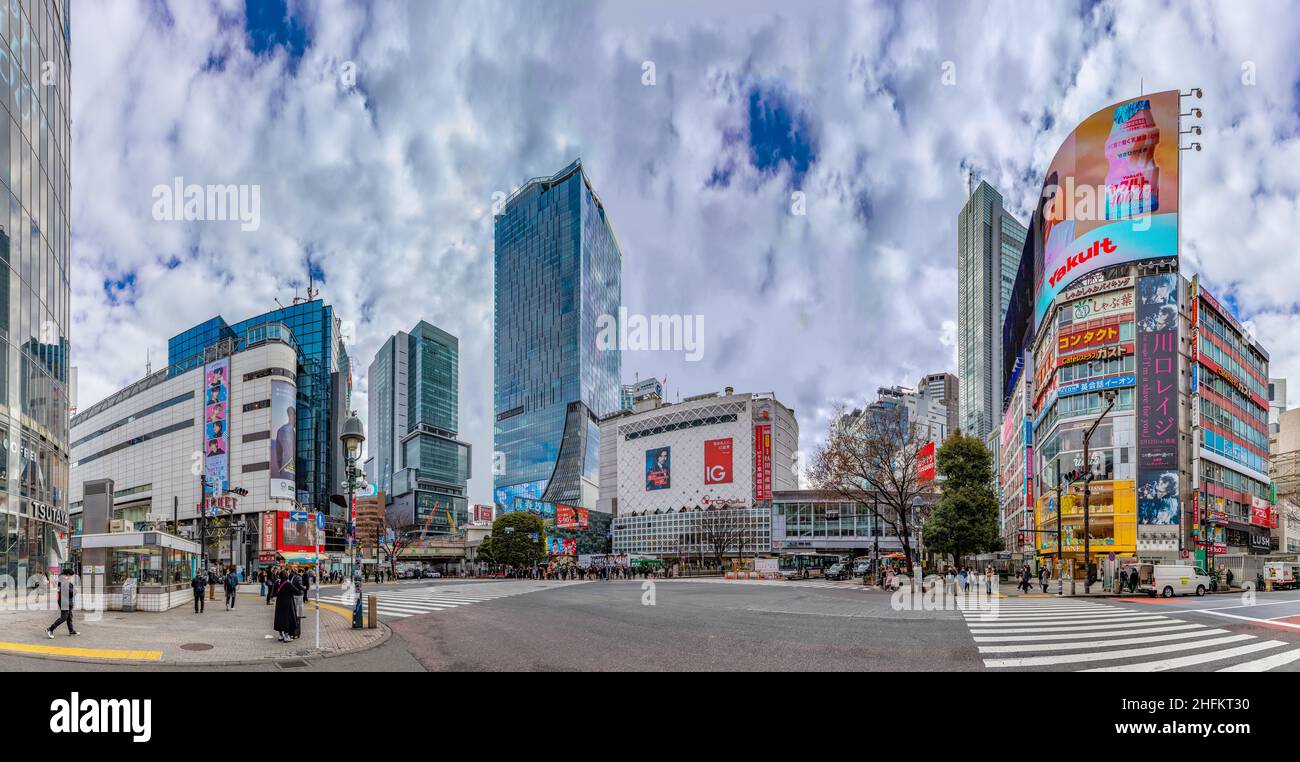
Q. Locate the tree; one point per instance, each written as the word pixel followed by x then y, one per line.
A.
pixel 871 457
pixel 720 529
pixel 516 540
pixel 393 536
pixel 966 519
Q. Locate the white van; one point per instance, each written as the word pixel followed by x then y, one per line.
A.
pixel 1169 580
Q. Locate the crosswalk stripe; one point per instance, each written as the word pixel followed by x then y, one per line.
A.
pixel 1072 628
pixel 1171 627
pixel 1043 617
pixel 1188 661
pixel 1032 647
pixel 1049 622
pixel 1265 664
pixel 1033 661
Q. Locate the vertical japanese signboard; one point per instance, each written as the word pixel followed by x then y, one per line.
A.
pixel 1157 399
pixel 216 425
pixel 925 463
pixel 763 461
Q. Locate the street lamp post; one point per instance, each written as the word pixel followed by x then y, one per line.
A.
pixel 352 436
pixel 916 510
pixel 1087 487
pixel 875 534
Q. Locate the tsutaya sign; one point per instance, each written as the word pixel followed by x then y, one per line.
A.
pixel 47 512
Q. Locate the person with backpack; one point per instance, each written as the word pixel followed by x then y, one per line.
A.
pixel 67 592
pixel 231 584
pixel 200 586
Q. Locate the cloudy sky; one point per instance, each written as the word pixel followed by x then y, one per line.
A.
pixel 379 132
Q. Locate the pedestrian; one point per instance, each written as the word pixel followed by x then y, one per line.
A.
pixel 1042 578
pixel 286 593
pixel 200 586
pixel 988 579
pixel 232 587
pixel 1229 578
pixel 67 592
pixel 298 591
pixel 272 582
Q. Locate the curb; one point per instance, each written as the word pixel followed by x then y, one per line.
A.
pixel 384 638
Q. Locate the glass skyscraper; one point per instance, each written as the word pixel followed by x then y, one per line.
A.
pixel 415 458
pixel 558 270
pixel 989 244
pixel 324 390
pixel 35 244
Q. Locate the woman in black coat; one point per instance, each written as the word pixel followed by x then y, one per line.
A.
pixel 286 619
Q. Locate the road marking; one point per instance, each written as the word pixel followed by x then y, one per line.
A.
pixel 1048 622
pixel 1188 661
pixel 1170 627
pixel 1036 661
pixel 86 653
pixel 1145 621
pixel 1268 622
pixel 1265 664
pixel 1031 647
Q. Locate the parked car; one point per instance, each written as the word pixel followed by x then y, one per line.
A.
pixel 861 567
pixel 838 571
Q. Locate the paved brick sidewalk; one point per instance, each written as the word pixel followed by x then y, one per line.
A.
pixel 180 636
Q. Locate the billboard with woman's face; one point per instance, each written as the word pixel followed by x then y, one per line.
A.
pixel 284 439
pixel 216 424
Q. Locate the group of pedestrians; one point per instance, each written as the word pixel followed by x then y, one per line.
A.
pixel 288 588
pixel 229 582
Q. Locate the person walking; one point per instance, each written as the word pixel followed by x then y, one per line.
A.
pixel 67 592
pixel 299 591
pixel 1042 578
pixel 231 584
pixel 272 582
pixel 988 579
pixel 200 586
pixel 1228 577
pixel 285 621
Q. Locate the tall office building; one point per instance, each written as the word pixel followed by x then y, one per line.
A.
pixel 35 242
pixel 943 387
pixel 558 270
pixel 324 390
pixel 415 460
pixel 989 243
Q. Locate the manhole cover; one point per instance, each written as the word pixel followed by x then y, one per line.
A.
pixel 196 646
pixel 294 663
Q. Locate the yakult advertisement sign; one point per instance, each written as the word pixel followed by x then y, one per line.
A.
pixel 1110 195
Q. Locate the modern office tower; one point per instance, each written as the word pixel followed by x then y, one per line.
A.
pixel 35 241
pixel 943 388
pixel 415 458
pixel 558 271
pixel 324 383
pixel 1276 403
pixel 989 243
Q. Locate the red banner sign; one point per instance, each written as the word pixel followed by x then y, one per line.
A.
pixel 1259 512
pixel 925 463
pixel 763 462
pixel 717 461
pixel 268 530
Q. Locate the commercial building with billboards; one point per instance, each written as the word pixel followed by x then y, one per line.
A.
pixel 230 420
pixel 667 467
pixel 1102 336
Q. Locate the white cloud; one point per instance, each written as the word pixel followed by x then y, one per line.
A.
pixel 389 185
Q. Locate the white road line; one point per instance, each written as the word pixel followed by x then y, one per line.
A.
pixel 1076 627
pixel 1188 661
pixel 1250 619
pixel 1171 627
pixel 1035 661
pixel 1265 664
pixel 1041 617
pixel 1033 647
pixel 1049 622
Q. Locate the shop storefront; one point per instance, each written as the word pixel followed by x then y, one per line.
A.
pixel 34 541
pixel 1111 526
pixel 139 571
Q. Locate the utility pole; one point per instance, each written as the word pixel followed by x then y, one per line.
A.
pixel 1087 486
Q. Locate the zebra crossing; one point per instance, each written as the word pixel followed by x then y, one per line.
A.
pixel 1074 634
pixel 852 584
pixel 401 603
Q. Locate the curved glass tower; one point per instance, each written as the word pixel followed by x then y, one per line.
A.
pixel 35 242
pixel 558 270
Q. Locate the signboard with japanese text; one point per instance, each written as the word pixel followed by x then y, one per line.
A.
pixel 1085 338
pixel 763 461
pixel 1157 399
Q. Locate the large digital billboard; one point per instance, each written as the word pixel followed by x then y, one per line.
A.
pixel 284 438
pixel 505 496
pixel 1110 195
pixel 1157 399
pixel 216 425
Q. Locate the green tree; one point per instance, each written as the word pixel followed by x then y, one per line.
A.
pixel 965 521
pixel 516 540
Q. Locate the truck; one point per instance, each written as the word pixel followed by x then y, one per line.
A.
pixel 1283 574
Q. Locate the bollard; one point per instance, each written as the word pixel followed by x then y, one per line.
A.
pixel 371 623
pixel 1072 589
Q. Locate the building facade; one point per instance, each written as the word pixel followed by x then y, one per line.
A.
pixel 821 521
pixel 558 275
pixel 989 245
pixel 160 437
pixel 925 407
pixel 35 243
pixel 415 458
pixel 662 462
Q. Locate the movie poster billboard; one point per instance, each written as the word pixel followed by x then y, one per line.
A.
pixel 1157 399
pixel 717 461
pixel 505 496
pixel 1110 195
pixel 658 468
pixel 216 425
pixel 284 439
pixel 763 461
pixel 540 508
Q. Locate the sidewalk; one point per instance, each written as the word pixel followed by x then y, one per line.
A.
pixel 243 635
